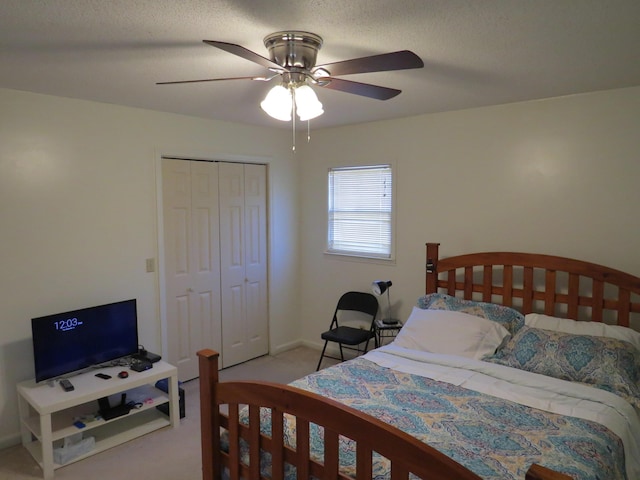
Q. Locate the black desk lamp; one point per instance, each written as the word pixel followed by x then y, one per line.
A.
pixel 379 287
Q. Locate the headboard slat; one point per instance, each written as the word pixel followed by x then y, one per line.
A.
pixel 624 300
pixel 487 281
pixel 527 299
pixel 598 301
pixel 452 283
pixel 550 292
pixel 468 282
pixel 507 282
pixel 574 292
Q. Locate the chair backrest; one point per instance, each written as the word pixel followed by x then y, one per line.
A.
pixel 359 302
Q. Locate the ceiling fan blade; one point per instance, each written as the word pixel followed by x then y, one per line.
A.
pixel 244 53
pixel 402 60
pixel 363 89
pixel 262 79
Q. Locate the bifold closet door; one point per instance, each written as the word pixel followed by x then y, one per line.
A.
pixel 243 261
pixel 191 261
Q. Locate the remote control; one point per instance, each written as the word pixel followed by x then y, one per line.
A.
pixel 66 385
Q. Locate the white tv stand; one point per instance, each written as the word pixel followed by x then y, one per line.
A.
pixel 48 413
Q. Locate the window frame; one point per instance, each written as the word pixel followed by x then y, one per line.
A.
pixel 362 255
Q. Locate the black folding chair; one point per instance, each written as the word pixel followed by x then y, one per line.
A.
pixel 366 303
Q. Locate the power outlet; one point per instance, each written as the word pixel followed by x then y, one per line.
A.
pixel 151 265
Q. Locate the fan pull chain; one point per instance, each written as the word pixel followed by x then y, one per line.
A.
pixel 293 140
pixel 308 131
pixel 293 121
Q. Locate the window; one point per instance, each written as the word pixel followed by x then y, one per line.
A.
pixel 360 211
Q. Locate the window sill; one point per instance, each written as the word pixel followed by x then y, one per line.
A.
pixel 359 258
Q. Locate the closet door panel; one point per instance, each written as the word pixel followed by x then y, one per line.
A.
pixel 243 262
pixel 182 328
pixel 176 197
pixel 232 261
pixel 191 261
pixel 256 259
pixel 205 293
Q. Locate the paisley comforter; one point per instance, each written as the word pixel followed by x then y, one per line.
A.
pixel 492 419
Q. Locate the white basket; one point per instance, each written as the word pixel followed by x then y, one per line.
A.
pixel 70 451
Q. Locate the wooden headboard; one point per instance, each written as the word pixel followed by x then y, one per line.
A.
pixel 556 286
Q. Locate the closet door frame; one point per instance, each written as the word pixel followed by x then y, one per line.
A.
pixel 161 268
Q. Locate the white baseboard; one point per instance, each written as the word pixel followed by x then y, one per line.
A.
pixel 314 345
pixel 286 346
pixel 332 348
pixel 9 441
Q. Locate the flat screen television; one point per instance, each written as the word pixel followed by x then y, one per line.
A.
pixel 70 341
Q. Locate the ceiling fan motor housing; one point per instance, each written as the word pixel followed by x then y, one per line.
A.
pixel 293 49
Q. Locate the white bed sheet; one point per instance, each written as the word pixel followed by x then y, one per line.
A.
pixel 530 389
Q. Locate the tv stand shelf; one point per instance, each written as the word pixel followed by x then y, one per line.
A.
pixel 48 413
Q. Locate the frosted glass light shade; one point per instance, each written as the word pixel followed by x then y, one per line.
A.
pixel 278 103
pixel 307 104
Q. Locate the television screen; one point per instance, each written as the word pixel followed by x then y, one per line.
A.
pixel 75 340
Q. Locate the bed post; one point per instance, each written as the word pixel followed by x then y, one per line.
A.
pixel 210 415
pixel 432 268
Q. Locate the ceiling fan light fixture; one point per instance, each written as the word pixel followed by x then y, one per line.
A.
pixel 278 103
pixel 292 56
pixel 307 104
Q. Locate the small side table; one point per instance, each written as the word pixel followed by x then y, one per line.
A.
pixel 386 331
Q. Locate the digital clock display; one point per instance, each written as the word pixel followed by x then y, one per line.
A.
pixel 68 324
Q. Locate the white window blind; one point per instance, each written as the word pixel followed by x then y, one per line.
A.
pixel 360 211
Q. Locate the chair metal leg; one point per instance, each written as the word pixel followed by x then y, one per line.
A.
pixel 322 355
pixel 341 354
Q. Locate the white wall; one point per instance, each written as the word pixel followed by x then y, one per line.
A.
pixel 78 216
pixel 559 176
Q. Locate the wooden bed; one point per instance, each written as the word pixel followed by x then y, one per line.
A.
pixel 551 285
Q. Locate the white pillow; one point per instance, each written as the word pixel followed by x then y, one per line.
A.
pixel 450 332
pixel 595 329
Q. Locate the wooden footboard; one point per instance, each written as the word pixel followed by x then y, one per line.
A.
pixel 405 453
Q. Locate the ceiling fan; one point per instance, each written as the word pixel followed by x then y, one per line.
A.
pixel 293 58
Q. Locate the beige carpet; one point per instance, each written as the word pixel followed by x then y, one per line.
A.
pixel 167 454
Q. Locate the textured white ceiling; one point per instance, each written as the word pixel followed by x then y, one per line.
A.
pixel 476 52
